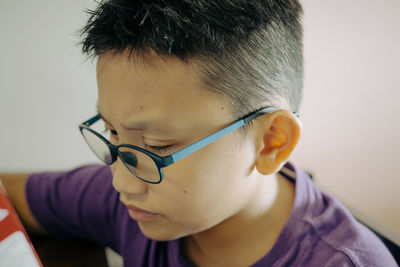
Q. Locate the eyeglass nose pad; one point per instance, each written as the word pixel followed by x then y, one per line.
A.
pixel 108 159
pixel 112 157
pixel 129 158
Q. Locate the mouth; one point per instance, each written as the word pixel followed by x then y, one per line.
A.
pixel 140 215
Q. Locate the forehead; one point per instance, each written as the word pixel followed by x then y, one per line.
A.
pixel 154 88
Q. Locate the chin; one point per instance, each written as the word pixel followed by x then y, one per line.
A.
pixel 159 233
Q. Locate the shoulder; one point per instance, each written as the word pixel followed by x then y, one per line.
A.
pixel 347 239
pixel 77 176
pixel 91 184
pixel 327 234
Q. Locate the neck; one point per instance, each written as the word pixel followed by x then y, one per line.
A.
pixel 244 238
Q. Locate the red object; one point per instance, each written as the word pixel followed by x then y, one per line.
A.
pixel 14 241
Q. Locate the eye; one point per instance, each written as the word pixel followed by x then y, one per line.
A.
pixel 158 149
pixel 155 149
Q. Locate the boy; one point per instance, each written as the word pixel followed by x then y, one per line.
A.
pixel 199 101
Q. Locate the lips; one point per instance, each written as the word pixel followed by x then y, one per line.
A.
pixel 140 215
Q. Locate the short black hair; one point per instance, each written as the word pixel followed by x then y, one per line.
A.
pixel 248 50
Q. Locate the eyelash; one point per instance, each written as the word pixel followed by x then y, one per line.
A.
pixel 156 149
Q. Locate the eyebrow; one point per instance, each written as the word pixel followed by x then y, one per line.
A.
pixel 148 125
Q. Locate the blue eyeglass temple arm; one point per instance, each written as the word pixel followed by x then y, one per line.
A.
pixel 92 120
pixel 211 138
pixel 168 160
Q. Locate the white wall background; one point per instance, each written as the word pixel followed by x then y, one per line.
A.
pixel 351 126
pixel 46 87
pixel 350 111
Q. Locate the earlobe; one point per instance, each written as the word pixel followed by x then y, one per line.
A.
pixel 280 133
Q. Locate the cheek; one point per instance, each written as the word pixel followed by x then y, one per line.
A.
pixel 205 169
pixel 210 181
pixel 220 162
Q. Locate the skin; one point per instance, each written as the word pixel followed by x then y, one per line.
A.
pixel 225 201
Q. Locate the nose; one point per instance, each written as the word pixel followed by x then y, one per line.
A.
pixel 125 182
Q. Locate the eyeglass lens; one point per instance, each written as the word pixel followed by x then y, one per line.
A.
pixel 136 161
pixel 139 164
pixel 98 146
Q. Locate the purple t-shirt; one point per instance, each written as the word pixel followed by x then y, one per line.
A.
pixel 83 204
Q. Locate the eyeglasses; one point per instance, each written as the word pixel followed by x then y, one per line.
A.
pixel 145 164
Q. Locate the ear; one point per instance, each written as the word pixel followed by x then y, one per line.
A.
pixel 278 135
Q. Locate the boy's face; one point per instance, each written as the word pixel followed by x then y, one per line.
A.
pixel 203 189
